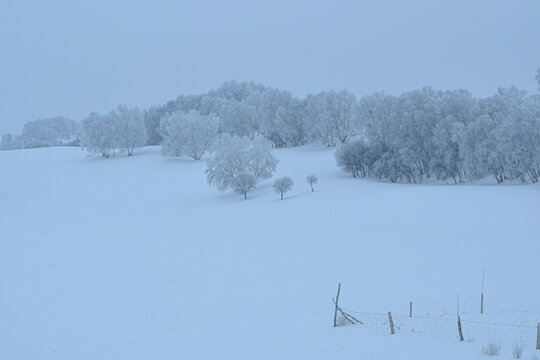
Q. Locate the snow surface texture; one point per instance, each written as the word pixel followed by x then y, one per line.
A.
pixel 138 258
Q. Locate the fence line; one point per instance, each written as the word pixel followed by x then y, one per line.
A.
pixel 446 327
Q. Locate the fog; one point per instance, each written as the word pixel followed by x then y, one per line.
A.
pixel 68 58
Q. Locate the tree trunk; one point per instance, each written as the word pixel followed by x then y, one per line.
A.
pixel 281 196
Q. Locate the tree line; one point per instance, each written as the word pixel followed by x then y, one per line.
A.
pixel 446 135
pixel 420 134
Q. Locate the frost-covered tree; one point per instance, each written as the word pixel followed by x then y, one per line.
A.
pixel 238 118
pixel 312 179
pixel 280 117
pixel 98 134
pixel 235 155
pixel 236 90
pixel 334 116
pixel 49 132
pixel 420 134
pixel 122 129
pixel 376 114
pixel 446 134
pixel 245 109
pixel 172 134
pixel 243 183
pixel 129 128
pixel 294 123
pixel 357 158
pixel 188 132
pixel 10 142
pixel 183 103
pixel 200 133
pixel 283 185
pixel 152 117
pixel 446 161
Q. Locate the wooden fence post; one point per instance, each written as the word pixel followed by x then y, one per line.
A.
pixel 410 309
pixel 391 322
pixel 482 303
pixel 336 310
pixel 538 337
pixel 459 329
pixel 482 293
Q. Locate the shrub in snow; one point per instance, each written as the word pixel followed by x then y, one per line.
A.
pixel 235 155
pixel 491 349
pixel 188 132
pixel 312 180
pixel 517 351
pixel 244 183
pixel 283 185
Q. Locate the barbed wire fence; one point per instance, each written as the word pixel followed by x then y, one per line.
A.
pixel 445 326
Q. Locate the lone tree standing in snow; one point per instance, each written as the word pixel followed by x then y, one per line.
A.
pixel 312 180
pixel 234 156
pixel 244 183
pixel 283 185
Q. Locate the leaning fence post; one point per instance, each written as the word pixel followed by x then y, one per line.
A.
pixel 459 329
pixel 391 322
pixel 410 309
pixel 538 337
pixel 336 310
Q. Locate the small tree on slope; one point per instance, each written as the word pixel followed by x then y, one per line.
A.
pixel 283 185
pixel 312 180
pixel 244 183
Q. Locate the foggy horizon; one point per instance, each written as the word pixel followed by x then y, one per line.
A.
pixel 68 59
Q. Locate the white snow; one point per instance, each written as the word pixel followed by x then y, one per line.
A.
pixel 138 258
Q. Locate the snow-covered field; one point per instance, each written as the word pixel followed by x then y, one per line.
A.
pixel 138 258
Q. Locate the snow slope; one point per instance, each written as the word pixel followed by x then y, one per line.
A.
pixel 138 258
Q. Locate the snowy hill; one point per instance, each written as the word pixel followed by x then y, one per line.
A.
pixel 138 258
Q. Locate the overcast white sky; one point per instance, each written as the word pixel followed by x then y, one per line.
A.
pixel 73 57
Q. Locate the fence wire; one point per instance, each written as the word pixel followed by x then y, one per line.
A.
pixel 445 327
